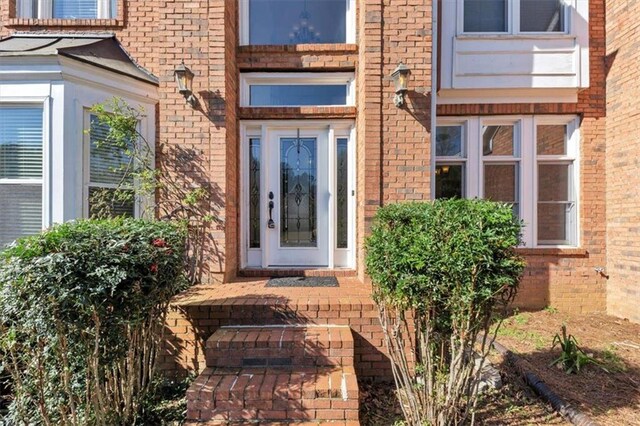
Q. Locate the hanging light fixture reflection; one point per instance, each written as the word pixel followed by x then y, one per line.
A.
pixel 304 32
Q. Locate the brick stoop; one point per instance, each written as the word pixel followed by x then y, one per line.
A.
pixel 276 375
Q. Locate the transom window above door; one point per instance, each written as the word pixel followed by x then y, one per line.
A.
pixel 66 9
pixel 296 89
pixel 284 22
pixel 514 16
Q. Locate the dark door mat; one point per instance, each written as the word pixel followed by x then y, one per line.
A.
pixel 303 282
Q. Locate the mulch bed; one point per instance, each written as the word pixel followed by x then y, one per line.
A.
pixel 609 397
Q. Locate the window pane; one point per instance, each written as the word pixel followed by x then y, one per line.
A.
pixel 21 211
pixel 497 140
pixel 297 21
pixel 75 9
pixel 449 181
pixel 111 202
pixel 108 163
pixel 553 182
pixel 551 140
pixel 449 141
pixel 297 95
pixel 254 193
pixel 501 182
pixel 481 16
pixel 342 193
pixel 541 15
pixel 554 222
pixel 20 143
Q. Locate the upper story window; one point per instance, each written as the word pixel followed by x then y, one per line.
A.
pixel 21 154
pixel 283 22
pixel 296 89
pixel 66 9
pixel 513 16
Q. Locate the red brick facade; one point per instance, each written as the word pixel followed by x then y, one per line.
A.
pixel 623 152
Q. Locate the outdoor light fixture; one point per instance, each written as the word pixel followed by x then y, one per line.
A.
pixel 184 79
pixel 400 79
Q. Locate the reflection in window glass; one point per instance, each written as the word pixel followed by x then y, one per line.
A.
pixel 556 209
pixel 282 22
pixel 551 139
pixel 297 95
pixel 497 140
pixel 449 181
pixel 541 16
pixel 449 141
pixel 482 16
pixel 501 184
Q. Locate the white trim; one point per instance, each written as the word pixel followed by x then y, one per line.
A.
pixel 244 30
pixel 526 160
pixel 312 78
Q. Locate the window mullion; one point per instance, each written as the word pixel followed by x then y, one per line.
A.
pixel 528 181
pixel 514 16
pixel 474 177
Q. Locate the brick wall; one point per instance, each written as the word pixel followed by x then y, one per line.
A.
pixel 623 159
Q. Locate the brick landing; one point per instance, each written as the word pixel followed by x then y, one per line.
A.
pixel 203 309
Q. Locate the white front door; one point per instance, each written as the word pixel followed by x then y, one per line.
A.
pixel 298 198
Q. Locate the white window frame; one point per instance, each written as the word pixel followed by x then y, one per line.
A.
pixel 527 160
pixel 45 9
pixel 513 21
pixel 45 181
pixel 315 78
pixel 243 15
pixel 139 204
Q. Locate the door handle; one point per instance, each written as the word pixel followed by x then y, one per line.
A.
pixel 271 224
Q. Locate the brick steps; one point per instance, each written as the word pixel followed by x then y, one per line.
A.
pixel 280 346
pixel 276 375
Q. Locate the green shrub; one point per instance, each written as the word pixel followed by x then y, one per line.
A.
pixel 82 309
pixel 439 270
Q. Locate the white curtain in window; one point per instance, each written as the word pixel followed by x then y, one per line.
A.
pixel 20 172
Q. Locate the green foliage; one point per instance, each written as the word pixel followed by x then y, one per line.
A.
pixel 165 403
pixel 446 265
pixel 572 358
pixel 82 309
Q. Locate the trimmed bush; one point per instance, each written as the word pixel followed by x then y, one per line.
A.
pixel 82 309
pixel 439 271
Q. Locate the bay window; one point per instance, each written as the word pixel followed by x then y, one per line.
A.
pixel 21 174
pixel 513 16
pixel 528 162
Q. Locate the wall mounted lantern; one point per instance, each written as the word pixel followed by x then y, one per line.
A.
pixel 400 77
pixel 184 79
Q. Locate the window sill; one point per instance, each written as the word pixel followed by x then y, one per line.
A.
pixel 505 36
pixel 55 22
pixel 300 48
pixel 554 251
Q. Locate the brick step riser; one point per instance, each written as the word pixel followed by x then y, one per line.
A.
pixel 278 358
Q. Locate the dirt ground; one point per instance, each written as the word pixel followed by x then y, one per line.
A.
pixel 608 391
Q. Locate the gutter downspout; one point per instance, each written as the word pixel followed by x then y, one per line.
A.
pixel 434 89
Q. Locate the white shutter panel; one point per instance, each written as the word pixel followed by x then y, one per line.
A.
pixel 20 172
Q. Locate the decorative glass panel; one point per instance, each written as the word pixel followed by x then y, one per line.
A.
pixel 281 22
pixel 556 209
pixel 297 94
pixel 342 193
pixel 551 139
pixel 298 164
pixel 449 141
pixel 497 140
pixel 20 172
pixel 481 16
pixel 75 9
pixel 449 181
pixel 254 192
pixel 541 16
pixel 501 183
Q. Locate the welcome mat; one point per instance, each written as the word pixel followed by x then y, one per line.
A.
pixel 303 282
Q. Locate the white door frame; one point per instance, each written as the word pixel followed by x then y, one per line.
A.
pixel 335 129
